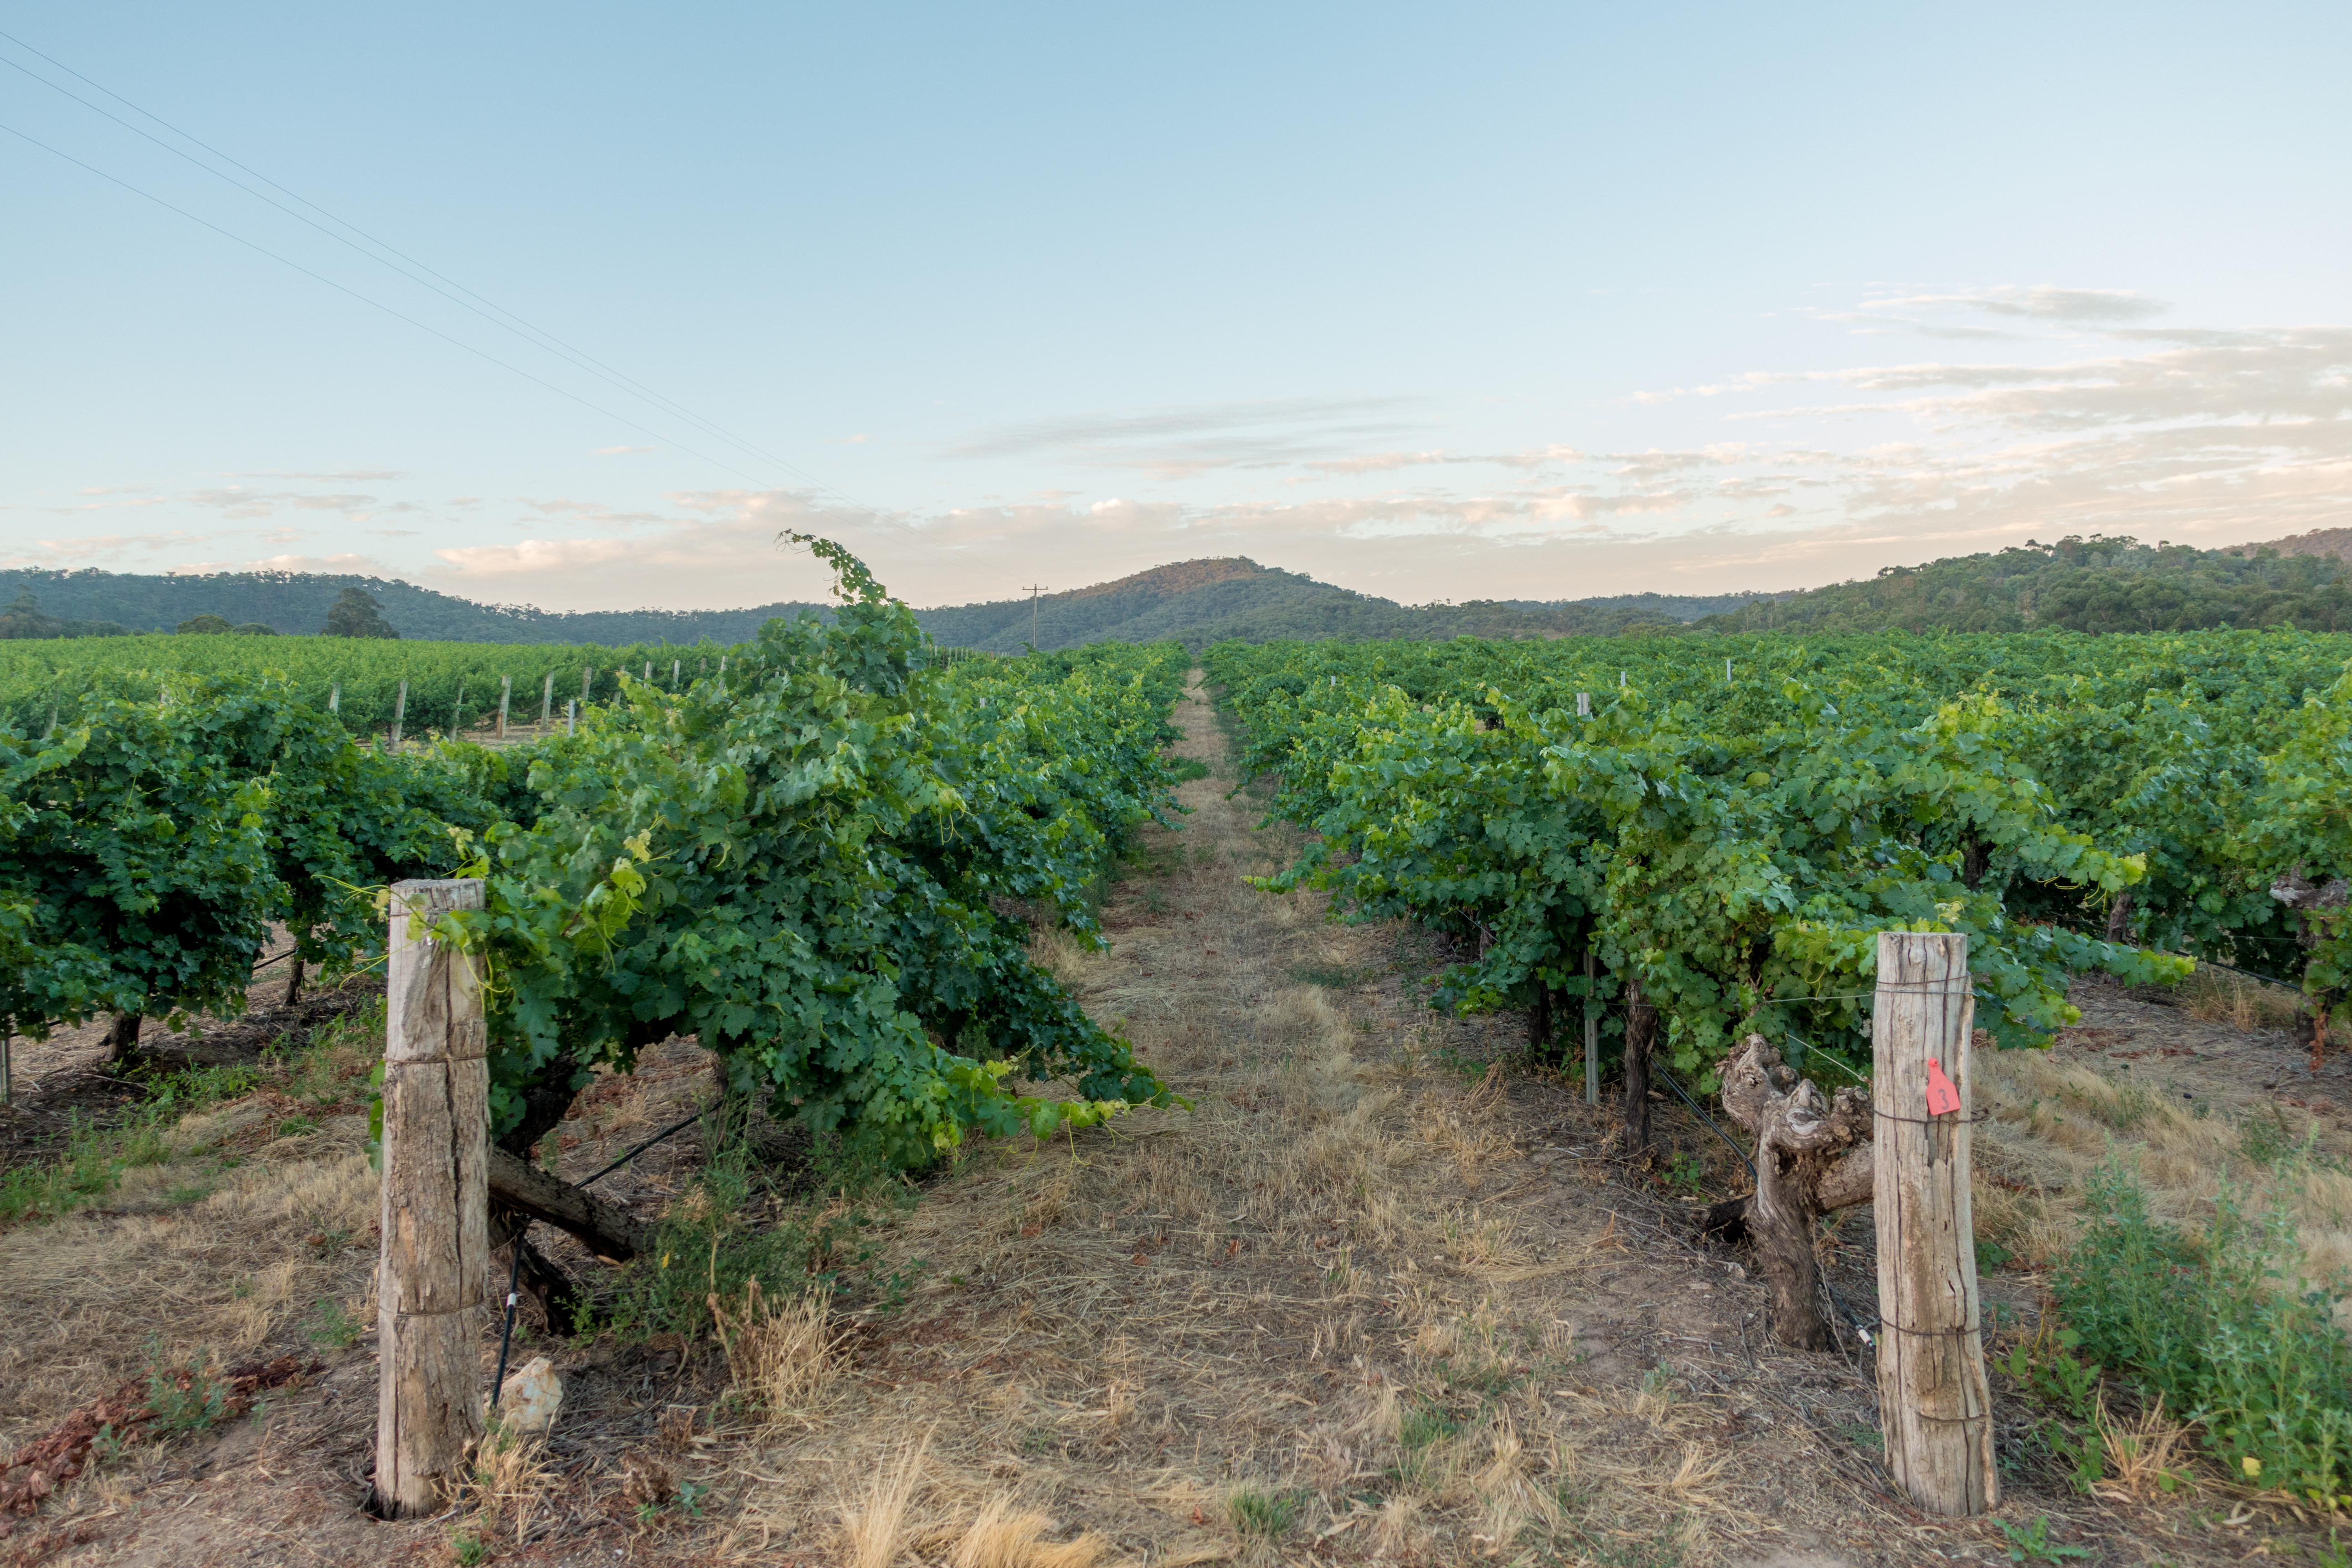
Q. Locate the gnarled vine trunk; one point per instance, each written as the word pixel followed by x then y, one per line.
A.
pixel 122 1038
pixel 1807 1163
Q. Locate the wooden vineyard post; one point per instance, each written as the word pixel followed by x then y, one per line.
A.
pixel 335 698
pixel 435 1259
pixel 7 1076
pixel 1592 1030
pixel 506 695
pixel 399 712
pixel 1935 1407
pixel 587 682
pixel 572 717
pixel 547 702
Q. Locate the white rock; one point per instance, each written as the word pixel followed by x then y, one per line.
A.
pixel 528 1398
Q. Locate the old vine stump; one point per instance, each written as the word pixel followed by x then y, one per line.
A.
pixel 1803 1169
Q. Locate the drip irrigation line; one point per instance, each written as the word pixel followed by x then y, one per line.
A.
pixel 514 1274
pixel 664 1132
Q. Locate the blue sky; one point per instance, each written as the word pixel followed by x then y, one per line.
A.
pixel 1437 303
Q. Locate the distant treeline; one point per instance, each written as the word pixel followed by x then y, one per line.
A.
pixel 2094 585
pixel 90 603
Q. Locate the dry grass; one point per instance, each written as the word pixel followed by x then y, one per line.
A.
pixel 2054 1117
pixel 2219 996
pixel 781 1355
pixel 186 1256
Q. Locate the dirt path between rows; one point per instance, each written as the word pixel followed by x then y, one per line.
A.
pixel 1376 1297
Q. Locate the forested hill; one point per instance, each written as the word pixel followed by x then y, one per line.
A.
pixel 1203 602
pixel 2098 584
pixel 1194 601
pixel 92 603
pixel 2094 585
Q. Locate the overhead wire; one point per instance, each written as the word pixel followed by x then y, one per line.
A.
pixel 538 337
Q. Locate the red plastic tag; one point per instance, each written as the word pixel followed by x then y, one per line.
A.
pixel 1942 1097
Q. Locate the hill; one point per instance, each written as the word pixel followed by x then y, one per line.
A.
pixel 2094 585
pixel 1234 598
pixel 1194 601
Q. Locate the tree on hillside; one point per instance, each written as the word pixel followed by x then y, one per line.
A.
pixel 356 615
pixel 205 626
pixel 23 618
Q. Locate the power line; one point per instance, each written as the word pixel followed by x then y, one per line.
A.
pixel 537 336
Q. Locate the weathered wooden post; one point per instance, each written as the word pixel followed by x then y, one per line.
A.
pixel 1935 1407
pixel 546 702
pixel 7 1079
pixel 399 713
pixel 434 1257
pixel 1591 1028
pixel 506 695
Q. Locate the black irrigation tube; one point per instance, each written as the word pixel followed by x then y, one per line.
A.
pixel 514 1274
pixel 1703 1116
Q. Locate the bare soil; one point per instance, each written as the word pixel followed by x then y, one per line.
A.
pixel 1385 1293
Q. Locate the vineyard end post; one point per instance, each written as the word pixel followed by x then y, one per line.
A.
pixel 399 713
pixel 7 1080
pixel 434 1256
pixel 1935 1407
pixel 506 695
pixel 547 702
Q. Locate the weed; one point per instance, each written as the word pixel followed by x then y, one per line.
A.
pixel 333 1327
pixel 2034 1546
pixel 1687 1173
pixel 1258 1516
pixel 190 1192
pixel 468 1550
pixel 1333 977
pixel 2223 1332
pixel 1424 1425
pixel 1991 1256
pixel 2046 1368
pixel 1460 1065
pixel 709 1245
pixel 296 1126
pixel 1185 770
pixel 2268 1143
pixel 184 1398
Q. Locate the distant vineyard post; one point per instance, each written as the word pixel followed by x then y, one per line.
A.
pixel 433 1258
pixel 1935 1406
pixel 506 695
pixel 399 714
pixel 1591 1028
pixel 547 702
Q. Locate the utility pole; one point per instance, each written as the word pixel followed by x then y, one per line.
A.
pixel 1034 589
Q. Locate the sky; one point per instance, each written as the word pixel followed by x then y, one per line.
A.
pixel 583 306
